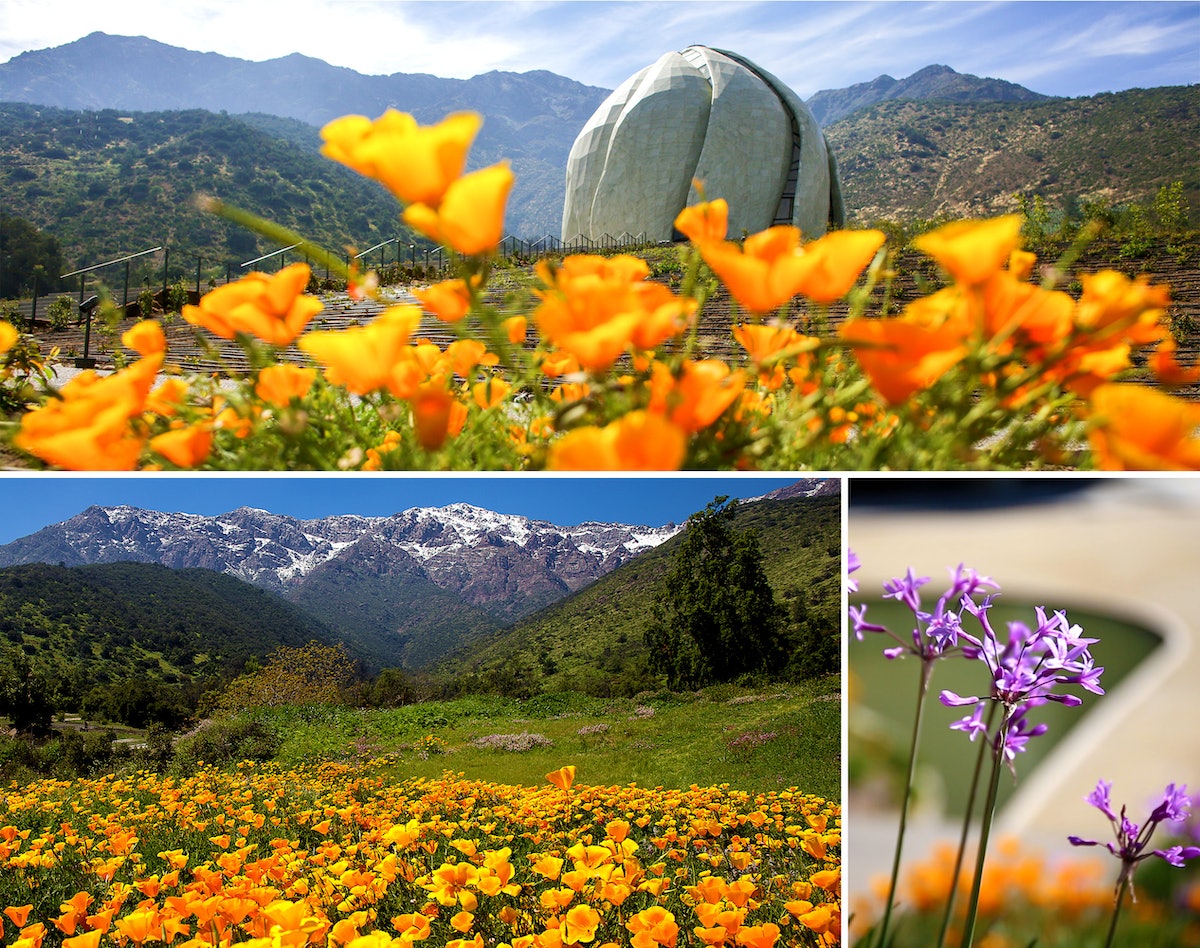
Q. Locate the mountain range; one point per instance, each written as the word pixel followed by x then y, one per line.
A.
pixel 130 624
pixel 531 119
pixel 933 82
pixel 401 590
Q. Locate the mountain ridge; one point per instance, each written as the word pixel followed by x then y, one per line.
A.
pixel 401 590
pixel 532 118
pixel 286 549
pixel 930 82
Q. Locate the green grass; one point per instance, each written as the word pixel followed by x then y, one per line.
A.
pixel 886 694
pixel 757 740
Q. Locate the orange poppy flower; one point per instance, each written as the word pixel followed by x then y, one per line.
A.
pixel 470 217
pixel 579 925
pixel 596 308
pixel 8 335
pixel 140 926
pixel 764 342
pixel 86 940
pixel 145 337
pixel 563 777
pixel 698 396
pixel 820 919
pixel 279 384
pixel 490 392
pixel 1166 366
pixel 89 427
pixel 362 358
pixel 900 356
pixel 167 397
pixel 274 308
pixel 73 912
pixel 1113 303
pixel 19 914
pixel 1135 428
pixel 759 936
pixel 514 329
pixel 653 927
pixel 1022 311
pixel 638 441
pixel 703 222
pixel 449 300
pixel 972 251
pixel 184 447
pixel 437 414
pixel 764 272
pixel 463 355
pixel 832 264
pixel 416 163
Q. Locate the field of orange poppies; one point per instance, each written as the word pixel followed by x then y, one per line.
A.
pixel 335 854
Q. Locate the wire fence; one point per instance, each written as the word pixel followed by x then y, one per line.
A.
pixel 164 279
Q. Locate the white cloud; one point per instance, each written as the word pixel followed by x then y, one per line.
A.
pixel 809 45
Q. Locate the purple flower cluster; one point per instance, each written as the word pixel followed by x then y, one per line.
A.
pixel 934 632
pixel 1026 672
pixel 1131 839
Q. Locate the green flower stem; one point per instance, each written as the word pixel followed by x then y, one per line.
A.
pixel 989 811
pixel 923 690
pixel 966 830
pixel 1122 888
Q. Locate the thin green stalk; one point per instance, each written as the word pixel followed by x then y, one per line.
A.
pixel 989 811
pixel 966 830
pixel 1122 888
pixel 923 689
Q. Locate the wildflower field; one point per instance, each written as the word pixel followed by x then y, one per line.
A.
pixel 1011 364
pixel 386 831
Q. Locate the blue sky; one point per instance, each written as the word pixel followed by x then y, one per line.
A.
pixel 34 501
pixel 1072 48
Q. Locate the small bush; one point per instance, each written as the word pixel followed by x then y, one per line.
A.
pixel 512 742
pixel 225 742
pixel 59 313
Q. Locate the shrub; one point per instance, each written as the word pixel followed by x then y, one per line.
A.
pixel 224 743
pixel 59 313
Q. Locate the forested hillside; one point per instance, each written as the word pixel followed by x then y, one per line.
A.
pixel 108 183
pixel 593 640
pixel 908 159
pixel 111 625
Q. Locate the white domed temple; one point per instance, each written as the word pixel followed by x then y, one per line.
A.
pixel 700 114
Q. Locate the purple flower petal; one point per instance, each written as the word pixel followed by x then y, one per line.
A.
pixel 1099 798
pixel 951 700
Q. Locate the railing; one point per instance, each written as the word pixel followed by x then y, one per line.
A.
pixel 430 259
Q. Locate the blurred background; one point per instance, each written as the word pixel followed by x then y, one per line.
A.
pixel 1120 556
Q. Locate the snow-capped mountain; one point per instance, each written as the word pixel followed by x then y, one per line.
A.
pixel 402 590
pixel 449 545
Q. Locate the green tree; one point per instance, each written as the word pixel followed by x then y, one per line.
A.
pixel 312 674
pixel 26 694
pixel 814 633
pixel 717 618
pixel 1171 207
pixel 391 689
pixel 22 248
